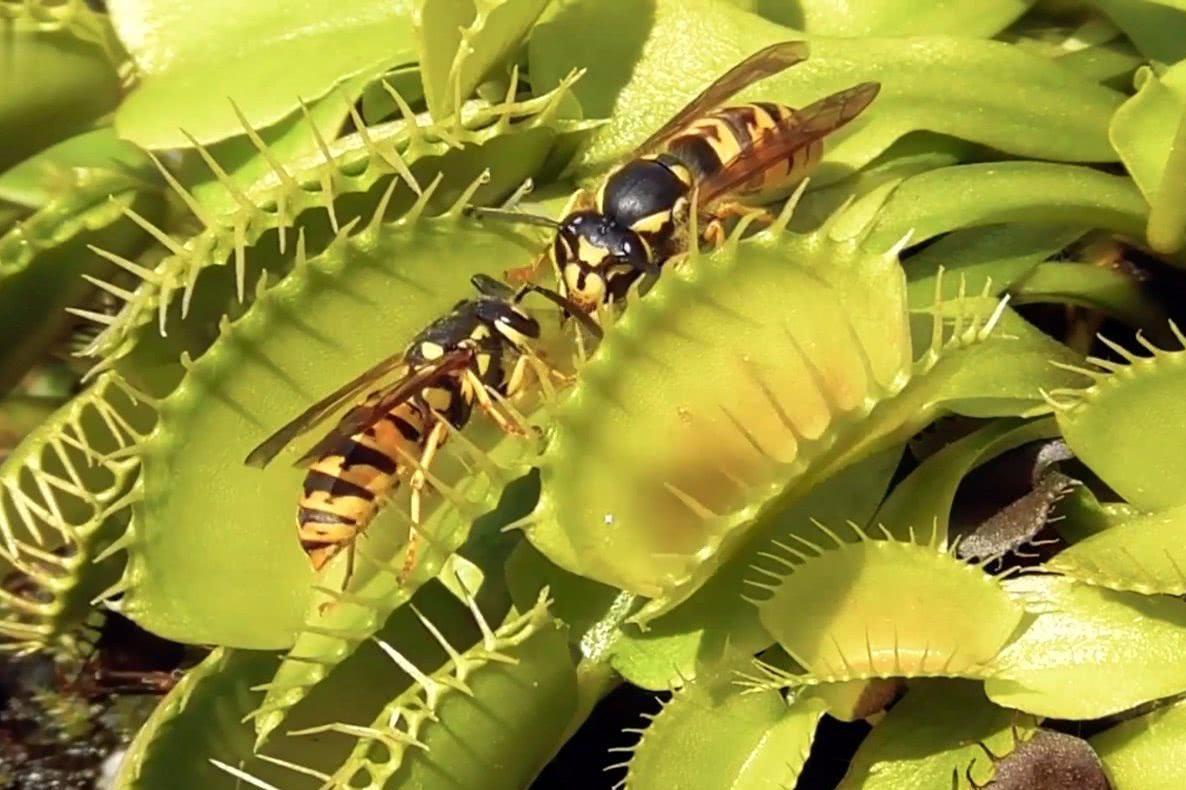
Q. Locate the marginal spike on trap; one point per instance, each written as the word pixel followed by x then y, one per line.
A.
pixel 300 769
pixel 783 220
pixel 186 196
pixel 331 165
pixel 431 687
pixel 1094 375
pixel 475 453
pixel 465 506
pixel 824 529
pixel 113 591
pixel 122 543
pixel 1145 342
pixel 767 572
pixel 411 122
pixel 895 250
pixel 381 209
pixel 467 195
pixel 122 294
pixel 522 191
pixel 995 318
pixel 224 180
pixel 242 775
pixel 450 651
pixel 937 312
pixel 277 167
pixel 103 319
pixel 694 505
pixel 240 241
pixel 795 552
pixel 1178 335
pixel 385 153
pixel 417 209
pixel 145 274
pixel 774 558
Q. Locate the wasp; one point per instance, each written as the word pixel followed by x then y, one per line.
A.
pixel 473 355
pixel 706 159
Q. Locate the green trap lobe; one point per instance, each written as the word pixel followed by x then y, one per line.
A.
pixel 206 516
pixel 717 392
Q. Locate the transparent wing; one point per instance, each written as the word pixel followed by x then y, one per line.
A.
pixel 806 126
pixel 365 415
pixel 262 455
pixel 758 66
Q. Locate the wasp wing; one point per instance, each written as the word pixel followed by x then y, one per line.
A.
pixel 806 126
pixel 365 415
pixel 758 66
pixel 262 455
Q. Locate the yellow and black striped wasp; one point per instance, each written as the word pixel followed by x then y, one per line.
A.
pixel 474 355
pixel 712 155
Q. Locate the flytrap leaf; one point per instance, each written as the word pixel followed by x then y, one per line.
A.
pixel 1149 133
pixel 54 85
pixel 1005 374
pixel 61 493
pixel 711 736
pixel 459 41
pixel 336 624
pixel 905 17
pixel 718 621
pixel 516 135
pixel 715 361
pixel 982 259
pixel 1128 425
pixel 1155 28
pixel 333 317
pixel 184 745
pixel 966 196
pixel 200 716
pixel 932 737
pixel 984 91
pixel 1088 652
pixel 1145 753
pixel 48 175
pixel 491 717
pixel 197 63
pixel 1145 555
pixel 921 504
pixel 45 262
pixel 755 371
pixel 882 608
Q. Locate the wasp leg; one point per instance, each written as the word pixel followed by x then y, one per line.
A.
pixel 487 405
pixel 436 437
pixel 714 232
pixel 714 229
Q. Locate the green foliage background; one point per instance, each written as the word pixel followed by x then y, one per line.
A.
pixel 746 496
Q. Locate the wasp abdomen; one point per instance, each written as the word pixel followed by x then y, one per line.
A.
pixel 716 141
pixel 345 487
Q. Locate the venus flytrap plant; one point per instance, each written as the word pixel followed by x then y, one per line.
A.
pixel 664 520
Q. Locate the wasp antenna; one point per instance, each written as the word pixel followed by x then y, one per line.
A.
pixel 514 216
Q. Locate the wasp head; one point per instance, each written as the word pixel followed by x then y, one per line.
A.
pixel 597 258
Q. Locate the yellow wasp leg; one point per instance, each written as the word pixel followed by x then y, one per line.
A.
pixel 436 437
pixel 487 405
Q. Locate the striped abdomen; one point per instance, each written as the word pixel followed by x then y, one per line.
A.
pixel 714 142
pixel 345 487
